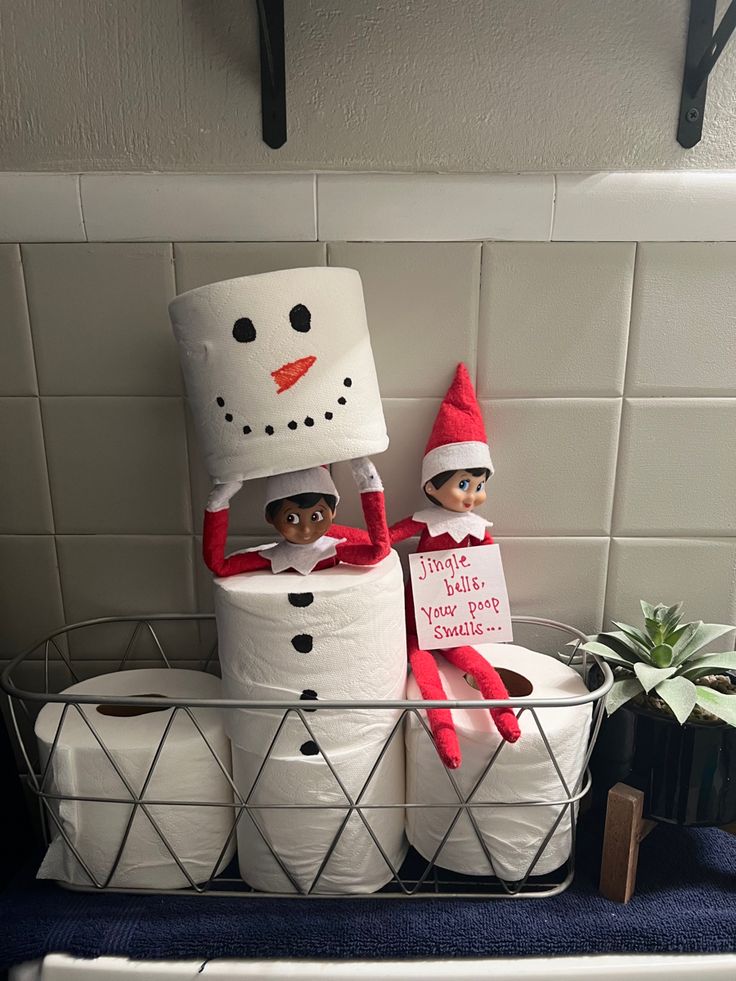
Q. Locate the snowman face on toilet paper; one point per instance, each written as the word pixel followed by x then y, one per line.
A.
pixel 279 371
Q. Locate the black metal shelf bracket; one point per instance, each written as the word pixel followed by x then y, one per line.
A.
pixel 704 48
pixel 273 71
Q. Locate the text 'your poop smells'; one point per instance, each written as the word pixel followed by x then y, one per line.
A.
pixel 279 371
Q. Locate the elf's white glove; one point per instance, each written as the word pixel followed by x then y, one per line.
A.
pixel 222 494
pixel 365 475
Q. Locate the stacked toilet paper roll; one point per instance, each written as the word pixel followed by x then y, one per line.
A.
pixel 522 772
pixel 185 773
pixel 338 634
pixel 279 371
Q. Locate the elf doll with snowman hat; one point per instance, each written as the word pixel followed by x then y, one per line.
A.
pixel 301 506
pixel 455 469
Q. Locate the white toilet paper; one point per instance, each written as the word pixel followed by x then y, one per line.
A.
pixel 335 634
pixel 301 836
pixel 185 771
pixel 523 771
pixel 279 371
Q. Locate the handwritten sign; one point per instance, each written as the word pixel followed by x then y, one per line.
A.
pixel 460 597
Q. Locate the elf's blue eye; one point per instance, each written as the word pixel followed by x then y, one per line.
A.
pixel 464 484
pixel 479 488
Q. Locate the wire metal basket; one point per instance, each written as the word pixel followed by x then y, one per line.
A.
pixel 51 666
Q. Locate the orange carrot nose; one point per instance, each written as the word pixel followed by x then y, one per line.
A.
pixel 289 374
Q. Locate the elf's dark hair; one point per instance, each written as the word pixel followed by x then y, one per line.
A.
pixel 301 501
pixel 446 475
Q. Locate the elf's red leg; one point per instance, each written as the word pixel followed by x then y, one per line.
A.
pixel 490 684
pixel 425 671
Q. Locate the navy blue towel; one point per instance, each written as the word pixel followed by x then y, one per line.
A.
pixel 685 902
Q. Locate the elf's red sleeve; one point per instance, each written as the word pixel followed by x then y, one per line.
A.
pixel 406 528
pixel 487 539
pixel 356 551
pixel 214 537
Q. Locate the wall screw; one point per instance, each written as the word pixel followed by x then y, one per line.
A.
pixel 692 115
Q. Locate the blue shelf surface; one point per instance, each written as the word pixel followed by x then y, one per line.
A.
pixel 685 902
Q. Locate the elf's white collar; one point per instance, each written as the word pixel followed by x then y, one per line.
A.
pixel 302 558
pixel 458 525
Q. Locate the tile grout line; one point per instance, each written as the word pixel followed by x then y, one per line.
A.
pixel 187 454
pixel 617 464
pixel 315 199
pixel 81 207
pixel 53 535
pixel 554 209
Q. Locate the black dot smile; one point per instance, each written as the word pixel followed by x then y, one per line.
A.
pixel 293 425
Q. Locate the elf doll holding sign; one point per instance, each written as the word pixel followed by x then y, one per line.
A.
pixel 456 466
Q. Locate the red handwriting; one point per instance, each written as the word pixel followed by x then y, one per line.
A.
pixel 452 564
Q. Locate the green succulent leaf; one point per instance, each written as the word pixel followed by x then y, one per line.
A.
pixel 621 692
pixel 703 633
pixel 680 694
pixel 718 703
pixel 661 655
pixel 675 635
pixel 634 634
pixel 647 609
pixel 708 664
pixel 620 643
pixel 656 631
pixel 605 652
pixel 650 677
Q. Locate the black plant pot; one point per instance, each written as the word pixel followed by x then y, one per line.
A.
pixel 687 773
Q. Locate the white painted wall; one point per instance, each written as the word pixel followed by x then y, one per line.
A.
pixel 426 85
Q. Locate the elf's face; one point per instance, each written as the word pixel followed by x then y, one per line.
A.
pixel 302 526
pixel 462 492
pixel 279 371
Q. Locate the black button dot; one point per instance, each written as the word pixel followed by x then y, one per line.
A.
pixel 269 430
pixel 309 421
pixel 220 401
pixel 328 415
pixel 348 382
pixel 308 695
pixel 228 417
pixel 246 430
pixel 243 330
pixel 302 643
pixel 309 748
pixel 342 400
pixel 301 599
pixel 300 318
pixel 292 424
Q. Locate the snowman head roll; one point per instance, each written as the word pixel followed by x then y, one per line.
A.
pixel 279 371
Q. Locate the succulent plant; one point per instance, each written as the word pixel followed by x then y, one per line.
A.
pixel 663 661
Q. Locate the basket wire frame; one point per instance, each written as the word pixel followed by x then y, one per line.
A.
pixel 411 880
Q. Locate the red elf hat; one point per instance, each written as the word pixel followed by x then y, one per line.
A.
pixel 458 439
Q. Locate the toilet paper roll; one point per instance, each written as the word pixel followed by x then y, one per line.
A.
pixel 335 634
pixel 523 771
pixel 301 836
pixel 185 771
pixel 279 371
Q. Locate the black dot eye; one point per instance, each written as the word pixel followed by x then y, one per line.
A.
pixel 243 330
pixel 300 318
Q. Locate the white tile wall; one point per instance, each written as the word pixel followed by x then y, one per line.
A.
pixel 554 319
pixel 40 208
pixel 102 486
pixel 683 206
pixel 199 207
pixel 434 207
pixel 683 320
pixel 677 468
